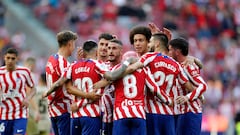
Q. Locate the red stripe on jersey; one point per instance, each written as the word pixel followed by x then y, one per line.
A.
pixel 14 108
pixel 123 112
pixel 6 84
pixel 7 110
pixel 21 109
pixel 140 112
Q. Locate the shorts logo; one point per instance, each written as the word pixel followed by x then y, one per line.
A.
pixel 19 130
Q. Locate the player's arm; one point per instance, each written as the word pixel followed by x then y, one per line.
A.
pixel 102 83
pixel 55 86
pixel 120 72
pixel 194 92
pixel 190 60
pixel 30 94
pixel 79 93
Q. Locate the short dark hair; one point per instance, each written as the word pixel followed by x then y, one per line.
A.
pixel 89 45
pixel 116 41
pixel 11 51
pixel 162 38
pixel 181 44
pixel 64 37
pixel 106 36
pixel 140 30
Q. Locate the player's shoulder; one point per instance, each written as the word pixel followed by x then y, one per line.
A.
pixel 19 68
pixel 149 54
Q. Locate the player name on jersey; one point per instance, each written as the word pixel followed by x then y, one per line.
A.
pixel 82 69
pixel 166 65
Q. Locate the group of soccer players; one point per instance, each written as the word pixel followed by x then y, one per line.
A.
pixel 156 90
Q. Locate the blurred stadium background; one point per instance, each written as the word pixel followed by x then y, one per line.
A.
pixel 212 28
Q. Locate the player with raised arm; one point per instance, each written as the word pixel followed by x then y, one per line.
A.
pixel 60 100
pixel 190 118
pixel 160 117
pixel 14 99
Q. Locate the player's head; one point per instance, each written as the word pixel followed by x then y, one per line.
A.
pixel 66 40
pixel 115 50
pixel 129 54
pixel 90 49
pixel 177 47
pixel 158 41
pixel 103 41
pixel 139 37
pixel 30 62
pixel 10 58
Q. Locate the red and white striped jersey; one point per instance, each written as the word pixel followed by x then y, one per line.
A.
pixel 84 73
pixel 194 104
pixel 13 92
pixel 59 101
pixel 165 71
pixel 130 94
pixel 107 101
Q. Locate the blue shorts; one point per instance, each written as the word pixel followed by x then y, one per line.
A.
pixel 61 124
pixel 158 124
pixel 85 126
pixel 129 126
pixel 189 124
pixel 12 127
pixel 107 128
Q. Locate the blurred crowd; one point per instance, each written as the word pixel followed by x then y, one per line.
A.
pixel 212 28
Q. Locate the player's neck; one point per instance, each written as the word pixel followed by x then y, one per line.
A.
pixel 63 52
pixel 10 69
pixel 181 59
pixel 102 58
pixel 114 63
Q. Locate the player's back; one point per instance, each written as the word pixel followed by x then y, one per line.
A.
pixel 130 95
pixel 85 70
pixel 165 71
pixel 84 73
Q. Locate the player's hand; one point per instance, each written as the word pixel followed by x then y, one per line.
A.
pixel 168 33
pixel 79 53
pixel 154 29
pixel 94 96
pixel 25 102
pixel 74 107
pixel 181 99
pixel 44 95
pixel 188 61
pixel 202 98
pixel 171 103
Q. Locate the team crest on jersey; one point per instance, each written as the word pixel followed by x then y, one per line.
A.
pixel 50 66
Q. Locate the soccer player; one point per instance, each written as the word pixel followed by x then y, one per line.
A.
pixel 129 112
pixel 190 119
pixel 160 117
pixel 83 74
pixel 114 57
pixel 59 101
pixel 103 41
pixel 139 37
pixel 34 115
pixel 43 124
pixel 14 100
